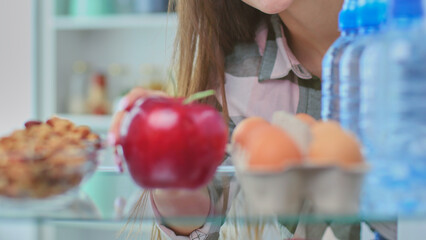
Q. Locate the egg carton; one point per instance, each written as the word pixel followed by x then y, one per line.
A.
pixel 277 193
pixel 334 190
pixel 330 190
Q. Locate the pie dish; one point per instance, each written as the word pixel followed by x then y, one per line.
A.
pixel 46 159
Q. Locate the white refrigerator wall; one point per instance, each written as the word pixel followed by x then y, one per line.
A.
pixel 16 21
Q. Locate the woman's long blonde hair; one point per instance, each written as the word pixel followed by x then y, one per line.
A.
pixel 208 30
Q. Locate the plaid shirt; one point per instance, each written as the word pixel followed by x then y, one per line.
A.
pixel 264 77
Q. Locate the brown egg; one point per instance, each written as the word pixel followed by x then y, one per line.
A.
pixel 271 149
pixel 245 128
pixel 332 145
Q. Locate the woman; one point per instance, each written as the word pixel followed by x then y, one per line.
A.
pixel 261 56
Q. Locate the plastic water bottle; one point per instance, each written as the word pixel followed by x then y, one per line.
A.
pixel 330 64
pixel 371 16
pixel 403 79
pixel 385 80
pixel 393 112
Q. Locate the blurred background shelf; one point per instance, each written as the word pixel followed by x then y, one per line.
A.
pixel 127 48
pixel 148 20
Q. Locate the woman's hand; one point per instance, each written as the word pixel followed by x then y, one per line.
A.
pixel 125 105
pixel 187 204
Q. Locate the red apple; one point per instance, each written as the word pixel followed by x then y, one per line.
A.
pixel 169 144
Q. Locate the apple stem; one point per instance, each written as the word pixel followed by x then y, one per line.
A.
pixel 199 95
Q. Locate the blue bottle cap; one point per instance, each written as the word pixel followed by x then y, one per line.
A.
pixel 348 16
pixel 372 13
pixel 406 9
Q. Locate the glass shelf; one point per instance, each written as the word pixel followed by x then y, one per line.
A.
pixel 97 204
pixel 84 210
